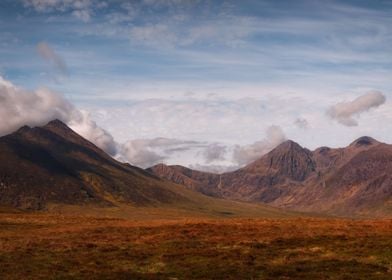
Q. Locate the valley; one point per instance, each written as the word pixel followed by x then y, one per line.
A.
pixel 58 246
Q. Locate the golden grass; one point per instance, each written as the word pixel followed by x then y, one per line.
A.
pixel 42 245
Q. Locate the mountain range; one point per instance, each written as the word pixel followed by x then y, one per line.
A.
pixel 53 165
pixel 354 180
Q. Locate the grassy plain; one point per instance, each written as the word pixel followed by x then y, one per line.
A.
pixel 64 246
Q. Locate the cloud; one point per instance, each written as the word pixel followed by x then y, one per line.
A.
pixel 301 123
pixel 345 112
pixel 214 152
pixel 82 9
pixel 153 35
pixel 147 152
pixel 86 127
pixel 20 107
pixel 214 168
pixel 47 53
pixel 59 5
pixel 84 15
pixel 138 152
pixel 246 154
pixel 218 119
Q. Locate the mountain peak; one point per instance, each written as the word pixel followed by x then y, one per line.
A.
pixel 23 129
pixel 60 128
pixel 56 123
pixel 364 141
pixel 288 145
pixel 159 166
pixel 287 160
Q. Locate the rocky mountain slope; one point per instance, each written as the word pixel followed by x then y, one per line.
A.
pixel 355 180
pixel 54 164
pixel 193 179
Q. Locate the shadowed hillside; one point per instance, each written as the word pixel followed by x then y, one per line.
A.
pixel 54 164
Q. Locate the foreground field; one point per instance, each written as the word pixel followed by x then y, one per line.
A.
pixel 40 246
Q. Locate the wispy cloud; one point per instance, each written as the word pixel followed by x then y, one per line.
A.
pixel 47 53
pixel 148 152
pixel 301 123
pixel 81 9
pixel 214 152
pixel 346 112
pixel 246 154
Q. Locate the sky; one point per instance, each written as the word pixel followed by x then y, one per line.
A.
pixel 211 85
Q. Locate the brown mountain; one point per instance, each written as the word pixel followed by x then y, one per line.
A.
pixel 53 164
pixel 193 179
pixel 353 180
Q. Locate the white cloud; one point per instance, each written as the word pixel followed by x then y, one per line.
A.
pixel 84 15
pixel 86 127
pixel 158 35
pixel 47 53
pixel 140 154
pixel 147 152
pixel 58 5
pixel 301 123
pixel 214 168
pixel 20 107
pixel 346 112
pixel 82 9
pixel 214 152
pixel 246 154
pixel 160 3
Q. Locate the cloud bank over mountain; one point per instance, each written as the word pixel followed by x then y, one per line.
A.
pixel 20 107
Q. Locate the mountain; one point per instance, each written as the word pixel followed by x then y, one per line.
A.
pixel 192 179
pixel 54 164
pixel 53 168
pixel 355 180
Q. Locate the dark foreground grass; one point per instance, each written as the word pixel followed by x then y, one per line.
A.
pixel 41 246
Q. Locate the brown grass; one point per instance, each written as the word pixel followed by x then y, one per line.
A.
pixel 41 246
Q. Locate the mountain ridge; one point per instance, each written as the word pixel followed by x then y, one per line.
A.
pixel 350 180
pixel 54 169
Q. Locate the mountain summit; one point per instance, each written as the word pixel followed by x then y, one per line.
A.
pixel 364 141
pixel 287 160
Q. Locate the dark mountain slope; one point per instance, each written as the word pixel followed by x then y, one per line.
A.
pixel 54 164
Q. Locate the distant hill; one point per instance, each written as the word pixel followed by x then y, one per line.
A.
pixel 355 180
pixel 193 179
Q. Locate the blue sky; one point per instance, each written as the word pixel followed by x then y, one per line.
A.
pixel 217 72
